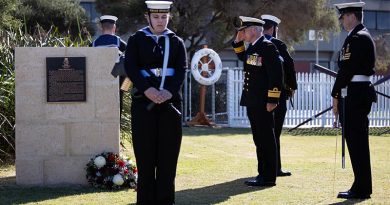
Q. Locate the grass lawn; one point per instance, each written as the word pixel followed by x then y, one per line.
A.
pixel 214 163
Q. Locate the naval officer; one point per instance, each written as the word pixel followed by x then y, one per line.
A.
pixel 356 64
pixel 260 94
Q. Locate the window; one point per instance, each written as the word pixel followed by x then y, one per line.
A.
pixel 383 20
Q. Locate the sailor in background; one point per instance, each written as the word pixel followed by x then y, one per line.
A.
pixel 290 81
pixel 356 64
pixel 109 39
pixel 261 93
pixel 156 101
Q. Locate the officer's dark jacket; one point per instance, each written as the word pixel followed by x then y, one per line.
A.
pixel 108 40
pixel 290 80
pixel 263 72
pixel 357 57
pixel 146 51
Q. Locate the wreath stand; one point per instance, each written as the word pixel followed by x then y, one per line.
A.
pixel 206 67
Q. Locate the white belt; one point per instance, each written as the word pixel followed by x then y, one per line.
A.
pixel 361 78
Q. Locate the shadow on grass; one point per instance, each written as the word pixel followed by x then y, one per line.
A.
pixel 216 131
pixel 215 193
pixel 10 193
pixel 349 202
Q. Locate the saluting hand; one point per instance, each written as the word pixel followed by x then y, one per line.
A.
pixel 271 106
pixel 240 36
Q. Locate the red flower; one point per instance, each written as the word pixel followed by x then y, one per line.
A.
pixel 121 163
pixel 126 171
pixel 111 158
pixel 135 170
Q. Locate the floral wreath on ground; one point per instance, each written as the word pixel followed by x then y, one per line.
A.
pixel 109 170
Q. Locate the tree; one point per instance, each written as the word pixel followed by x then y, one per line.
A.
pixel 7 19
pixel 383 53
pixel 210 21
pixel 66 15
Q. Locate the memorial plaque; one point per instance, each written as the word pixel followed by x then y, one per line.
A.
pixel 66 79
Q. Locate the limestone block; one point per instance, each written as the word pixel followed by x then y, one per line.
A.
pixel 39 140
pixel 29 171
pixel 69 112
pixel 87 139
pixel 110 133
pixel 65 170
pixel 107 107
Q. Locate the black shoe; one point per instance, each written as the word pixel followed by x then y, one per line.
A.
pixel 352 195
pixel 259 181
pixel 282 173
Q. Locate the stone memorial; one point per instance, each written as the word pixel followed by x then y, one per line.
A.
pixel 67 111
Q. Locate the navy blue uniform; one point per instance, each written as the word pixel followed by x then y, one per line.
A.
pixel 289 84
pixel 107 40
pixel 262 85
pixel 156 133
pixel 357 57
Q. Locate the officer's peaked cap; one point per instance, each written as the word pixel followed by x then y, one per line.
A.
pixel 349 7
pixel 269 19
pixel 159 6
pixel 243 22
pixel 108 19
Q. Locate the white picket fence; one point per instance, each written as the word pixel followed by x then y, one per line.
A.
pixel 311 97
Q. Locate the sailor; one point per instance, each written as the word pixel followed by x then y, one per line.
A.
pixel 155 62
pixel 356 64
pixel 109 39
pixel 271 28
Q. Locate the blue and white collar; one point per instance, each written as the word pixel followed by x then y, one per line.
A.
pixel 148 32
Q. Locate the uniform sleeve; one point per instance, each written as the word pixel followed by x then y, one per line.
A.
pixel 274 71
pixel 239 49
pixel 289 68
pixel 180 68
pixel 349 62
pixel 131 62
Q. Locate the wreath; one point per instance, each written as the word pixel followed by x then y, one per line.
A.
pixel 109 170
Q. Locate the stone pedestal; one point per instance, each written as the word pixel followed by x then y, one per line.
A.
pixel 54 141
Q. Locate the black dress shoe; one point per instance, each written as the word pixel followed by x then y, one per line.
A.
pixel 282 173
pixel 352 195
pixel 259 181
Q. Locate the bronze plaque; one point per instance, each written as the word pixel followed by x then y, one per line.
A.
pixel 66 79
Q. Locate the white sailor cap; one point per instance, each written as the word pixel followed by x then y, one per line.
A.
pixel 159 6
pixel 108 19
pixel 243 22
pixel 349 7
pixel 269 19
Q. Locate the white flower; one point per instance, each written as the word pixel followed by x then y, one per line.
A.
pixel 99 161
pixel 129 162
pixel 118 180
